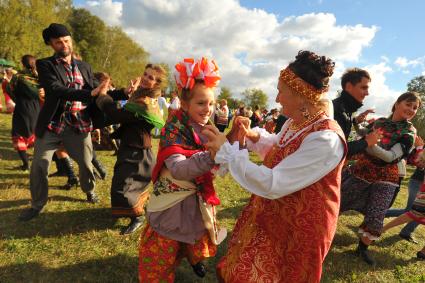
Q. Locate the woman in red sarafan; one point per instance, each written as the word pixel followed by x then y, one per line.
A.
pixel 286 230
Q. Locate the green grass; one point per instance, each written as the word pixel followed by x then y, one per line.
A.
pixel 72 241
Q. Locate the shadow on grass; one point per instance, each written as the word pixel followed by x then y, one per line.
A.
pixel 231 212
pixel 54 224
pixel 335 266
pixel 119 268
pixel 389 241
pixel 19 202
pixel 8 154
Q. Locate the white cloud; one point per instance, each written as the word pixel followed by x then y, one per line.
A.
pixel 381 97
pixel 404 63
pixel 249 45
pixel 107 10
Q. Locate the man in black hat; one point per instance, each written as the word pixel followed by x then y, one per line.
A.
pixel 68 116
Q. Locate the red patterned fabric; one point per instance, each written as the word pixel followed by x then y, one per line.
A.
pixel 159 256
pixel 365 168
pixel 23 143
pixel 286 239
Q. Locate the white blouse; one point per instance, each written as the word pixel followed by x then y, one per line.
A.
pixel 320 152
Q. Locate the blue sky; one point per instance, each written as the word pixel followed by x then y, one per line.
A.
pixel 252 40
pixel 401 26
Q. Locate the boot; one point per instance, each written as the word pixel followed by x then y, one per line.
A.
pixel 69 169
pixel 101 172
pixel 135 223
pixel 59 166
pixel 199 269
pixel 364 254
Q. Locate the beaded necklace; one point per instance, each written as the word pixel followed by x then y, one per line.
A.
pixel 297 128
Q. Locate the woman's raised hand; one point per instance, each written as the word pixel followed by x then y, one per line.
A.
pixel 133 85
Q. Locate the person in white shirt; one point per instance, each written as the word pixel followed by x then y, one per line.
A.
pixel 286 230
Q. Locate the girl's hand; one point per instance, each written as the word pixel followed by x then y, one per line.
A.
pixel 134 84
pixel 234 134
pixel 215 139
pixel 41 94
pixel 419 141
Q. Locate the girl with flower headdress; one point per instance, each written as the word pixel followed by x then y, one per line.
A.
pixel 132 171
pixel 181 211
pixel 370 184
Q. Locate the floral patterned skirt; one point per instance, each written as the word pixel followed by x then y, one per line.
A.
pixel 370 199
pixel 159 256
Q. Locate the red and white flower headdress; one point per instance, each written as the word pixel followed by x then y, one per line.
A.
pixel 190 70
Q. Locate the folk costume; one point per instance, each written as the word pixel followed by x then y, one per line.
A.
pixel 369 185
pixel 133 168
pixel 23 88
pixel 286 230
pixel 10 105
pixel 181 213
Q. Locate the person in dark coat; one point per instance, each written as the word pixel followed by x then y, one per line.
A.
pixel 68 116
pixel 25 92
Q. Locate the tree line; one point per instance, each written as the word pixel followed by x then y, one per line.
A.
pixel 107 49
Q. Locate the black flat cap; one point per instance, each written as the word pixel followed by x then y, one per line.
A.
pixel 55 31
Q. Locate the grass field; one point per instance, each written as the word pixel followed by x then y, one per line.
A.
pixel 73 241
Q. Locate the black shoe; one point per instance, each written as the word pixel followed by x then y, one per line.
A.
pixel 364 254
pixel 420 255
pixel 29 214
pixel 24 167
pixel 60 166
pixel 71 182
pixel 408 238
pixel 101 171
pixel 135 224
pixel 200 269
pixel 92 197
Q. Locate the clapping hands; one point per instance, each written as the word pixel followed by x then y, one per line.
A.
pixel 101 89
pixel 134 84
pixel 239 132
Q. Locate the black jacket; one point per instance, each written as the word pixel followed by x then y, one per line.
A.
pixel 344 107
pixel 133 132
pixel 52 77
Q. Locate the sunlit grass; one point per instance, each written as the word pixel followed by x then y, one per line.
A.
pixel 73 241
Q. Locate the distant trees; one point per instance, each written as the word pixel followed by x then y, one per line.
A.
pixel 232 103
pixel 107 49
pixel 21 24
pixel 254 96
pixel 249 97
pixel 418 84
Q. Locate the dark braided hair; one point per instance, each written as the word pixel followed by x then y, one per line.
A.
pixel 312 68
pixel 28 61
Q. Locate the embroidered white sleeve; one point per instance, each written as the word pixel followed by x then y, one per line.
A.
pixel 264 144
pixel 319 154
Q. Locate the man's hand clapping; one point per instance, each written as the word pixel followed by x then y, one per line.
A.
pixel 102 89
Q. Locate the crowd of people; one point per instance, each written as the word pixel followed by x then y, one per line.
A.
pixel 319 160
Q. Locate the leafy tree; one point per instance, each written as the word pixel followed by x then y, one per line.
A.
pixel 22 22
pixel 225 93
pixel 418 84
pixel 107 49
pixel 255 97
